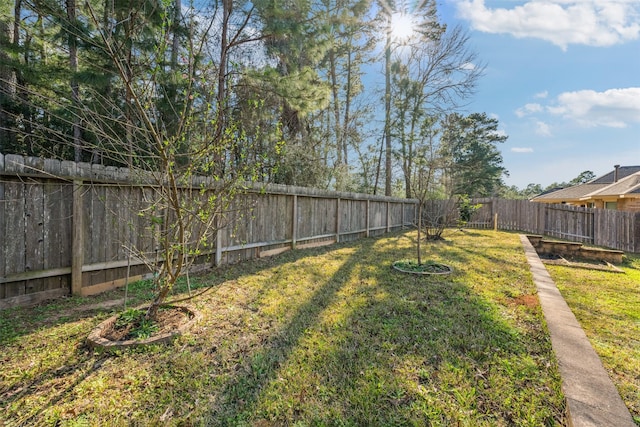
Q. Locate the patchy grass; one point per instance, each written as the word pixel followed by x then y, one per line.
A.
pixel 327 336
pixel 607 305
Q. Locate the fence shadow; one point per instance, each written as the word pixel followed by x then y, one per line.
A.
pixel 19 321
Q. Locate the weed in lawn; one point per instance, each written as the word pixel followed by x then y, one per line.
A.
pixel 429 266
pixel 129 316
pixel 135 324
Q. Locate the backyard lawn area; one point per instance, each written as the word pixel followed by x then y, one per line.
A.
pixel 324 336
pixel 607 305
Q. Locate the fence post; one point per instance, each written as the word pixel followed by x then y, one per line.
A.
pixel 636 233
pixel 493 207
pixel 338 220
pixel 597 223
pixel 592 227
pixel 77 239
pixel 367 220
pixel 294 221
pixel 218 260
pixel 388 217
pixel 540 224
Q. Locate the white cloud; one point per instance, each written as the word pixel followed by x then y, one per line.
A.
pixel 561 22
pixel 617 108
pixel 528 109
pixel 541 95
pixel 522 150
pixel 543 129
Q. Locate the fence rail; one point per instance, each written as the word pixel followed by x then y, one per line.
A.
pixel 68 227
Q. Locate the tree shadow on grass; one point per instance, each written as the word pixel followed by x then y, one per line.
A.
pixel 365 346
pixel 435 346
pixel 19 321
pixel 87 367
pixel 46 328
pixel 240 396
pixel 400 350
pixel 432 344
pixel 46 324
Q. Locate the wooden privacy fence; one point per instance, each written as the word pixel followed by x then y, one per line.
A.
pixel 68 227
pixel 601 227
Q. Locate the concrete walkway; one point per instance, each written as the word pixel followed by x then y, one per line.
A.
pixel 592 399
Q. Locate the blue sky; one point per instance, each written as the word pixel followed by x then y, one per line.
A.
pixel 562 78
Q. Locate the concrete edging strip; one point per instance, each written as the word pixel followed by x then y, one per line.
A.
pixel 592 399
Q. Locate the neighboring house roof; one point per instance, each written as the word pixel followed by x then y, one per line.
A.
pixel 628 184
pixel 623 172
pixel 575 193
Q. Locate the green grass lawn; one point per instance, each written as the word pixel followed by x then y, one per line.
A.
pixel 607 305
pixel 326 336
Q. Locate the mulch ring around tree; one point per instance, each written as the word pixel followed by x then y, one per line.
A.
pixel 130 329
pixel 428 267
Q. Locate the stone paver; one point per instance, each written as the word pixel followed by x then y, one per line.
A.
pixel 592 399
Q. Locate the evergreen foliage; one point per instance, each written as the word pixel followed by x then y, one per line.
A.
pixel 293 83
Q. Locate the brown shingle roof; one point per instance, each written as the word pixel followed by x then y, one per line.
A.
pixel 627 185
pixel 623 172
pixel 574 193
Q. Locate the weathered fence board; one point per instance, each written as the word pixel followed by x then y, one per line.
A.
pixel 396 211
pixel 601 227
pixel 619 230
pixel 569 222
pixel 377 215
pixel 14 248
pixel 70 227
pixel 3 231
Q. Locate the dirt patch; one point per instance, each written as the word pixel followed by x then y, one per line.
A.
pixel 529 301
pixel 104 305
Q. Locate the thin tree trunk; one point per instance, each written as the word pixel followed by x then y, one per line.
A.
pixel 175 47
pixel 347 108
pixel 75 87
pixel 419 245
pixel 387 115
pixel 221 96
pixel 375 186
pixel 7 86
pixel 337 127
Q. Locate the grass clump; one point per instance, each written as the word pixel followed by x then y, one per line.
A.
pixel 326 336
pixel 425 267
pixel 607 306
